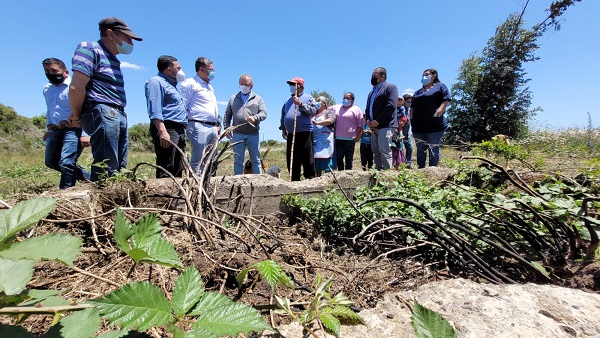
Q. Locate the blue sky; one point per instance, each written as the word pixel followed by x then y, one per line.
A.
pixel 334 45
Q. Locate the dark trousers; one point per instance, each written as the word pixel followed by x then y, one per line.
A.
pixel 366 156
pixel 344 151
pixel 303 155
pixel 169 158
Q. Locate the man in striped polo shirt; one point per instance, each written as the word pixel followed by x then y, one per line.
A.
pixel 97 95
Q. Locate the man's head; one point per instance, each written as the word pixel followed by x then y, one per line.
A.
pixel 55 70
pixel 117 36
pixel 245 83
pixel 379 75
pixel 407 99
pixel 169 66
pixel 205 69
pixel 296 85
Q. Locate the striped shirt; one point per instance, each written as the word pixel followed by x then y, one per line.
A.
pixel 104 70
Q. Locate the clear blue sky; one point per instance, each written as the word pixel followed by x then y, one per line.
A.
pixel 334 45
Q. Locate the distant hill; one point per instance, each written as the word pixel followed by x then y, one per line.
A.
pixel 20 133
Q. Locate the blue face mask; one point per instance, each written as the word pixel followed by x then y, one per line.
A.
pixel 211 75
pixel 292 89
pixel 318 105
pixel 346 103
pixel 425 80
pixel 124 47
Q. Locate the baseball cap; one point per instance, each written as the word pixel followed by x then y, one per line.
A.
pixel 117 24
pixel 297 79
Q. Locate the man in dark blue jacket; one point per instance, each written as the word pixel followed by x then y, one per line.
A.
pixel 382 117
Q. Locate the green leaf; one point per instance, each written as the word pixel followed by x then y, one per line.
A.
pixel 138 254
pixel 221 316
pixel 138 305
pixel 541 268
pixel 146 230
pixel 427 323
pixel 81 324
pixel 199 334
pixel 187 292
pixel 162 252
pixel 241 276
pixel 345 315
pixel 176 331
pixel 14 275
pixel 331 323
pixel 23 215
pixel 14 332
pixel 273 273
pixel 60 247
pixel 123 230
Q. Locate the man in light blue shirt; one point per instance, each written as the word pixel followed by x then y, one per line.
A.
pixel 63 142
pixel 168 116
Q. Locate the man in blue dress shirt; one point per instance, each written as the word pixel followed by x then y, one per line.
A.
pixel 168 116
pixel 64 143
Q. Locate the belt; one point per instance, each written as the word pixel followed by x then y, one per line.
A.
pixel 214 124
pixel 112 105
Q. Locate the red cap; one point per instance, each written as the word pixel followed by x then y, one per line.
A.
pixel 295 80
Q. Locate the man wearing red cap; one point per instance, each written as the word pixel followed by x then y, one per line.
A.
pixel 97 95
pixel 297 128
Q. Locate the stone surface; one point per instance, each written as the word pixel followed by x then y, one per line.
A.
pixel 481 310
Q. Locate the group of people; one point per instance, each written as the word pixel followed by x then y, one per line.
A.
pixel 89 110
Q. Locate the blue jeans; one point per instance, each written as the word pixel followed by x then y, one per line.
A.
pixel 240 142
pixel 107 128
pixel 428 143
pixel 380 144
pixel 200 136
pixel 62 151
pixel 408 145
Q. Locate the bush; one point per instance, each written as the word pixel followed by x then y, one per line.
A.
pixel 139 137
pixel 39 121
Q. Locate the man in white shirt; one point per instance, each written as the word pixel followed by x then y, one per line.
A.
pixel 64 143
pixel 203 114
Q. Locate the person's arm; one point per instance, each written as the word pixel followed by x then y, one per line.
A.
pixel 163 134
pixel 281 124
pixel 262 111
pixel 309 108
pixel 446 97
pixel 359 124
pixel 77 93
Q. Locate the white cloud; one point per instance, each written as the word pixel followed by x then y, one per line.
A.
pixel 222 103
pixel 125 64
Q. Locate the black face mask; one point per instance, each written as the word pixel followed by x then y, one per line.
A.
pixel 373 81
pixel 55 79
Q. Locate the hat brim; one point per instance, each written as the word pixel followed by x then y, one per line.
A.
pixel 131 34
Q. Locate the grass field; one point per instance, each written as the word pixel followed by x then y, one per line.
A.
pixel 22 169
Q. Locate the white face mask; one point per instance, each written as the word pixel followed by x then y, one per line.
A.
pixel 180 76
pixel 245 89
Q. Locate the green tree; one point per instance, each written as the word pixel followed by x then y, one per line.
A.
pixel 491 96
pixel 317 93
pixel 139 137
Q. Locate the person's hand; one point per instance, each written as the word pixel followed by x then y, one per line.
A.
pixel 284 134
pixel 251 119
pixel 297 101
pixel 63 124
pixel 438 113
pixel 373 124
pixel 84 141
pixel 74 121
pixel 164 138
pixel 46 135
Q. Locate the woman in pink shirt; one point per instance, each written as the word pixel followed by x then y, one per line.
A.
pixel 348 130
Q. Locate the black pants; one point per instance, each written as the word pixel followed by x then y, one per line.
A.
pixel 169 158
pixel 344 150
pixel 366 156
pixel 303 155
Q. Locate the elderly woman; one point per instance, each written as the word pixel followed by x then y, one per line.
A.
pixel 323 123
pixel 348 131
pixel 427 117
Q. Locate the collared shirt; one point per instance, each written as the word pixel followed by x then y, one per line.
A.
pixel 57 102
pixel 245 97
pixel 201 102
pixel 164 101
pixel 104 70
pixel 375 91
